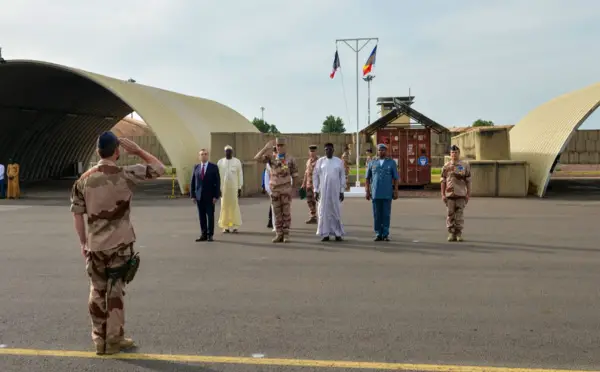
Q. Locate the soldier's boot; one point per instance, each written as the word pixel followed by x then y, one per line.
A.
pixel 311 220
pixel 459 237
pixel 277 239
pixel 451 237
pixel 111 349
pixel 286 238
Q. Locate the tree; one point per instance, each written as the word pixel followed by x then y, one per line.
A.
pixel 264 127
pixel 483 123
pixel 333 124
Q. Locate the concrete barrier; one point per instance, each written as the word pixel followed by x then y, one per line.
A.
pixel 499 178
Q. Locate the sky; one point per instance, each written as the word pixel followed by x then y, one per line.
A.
pixel 462 59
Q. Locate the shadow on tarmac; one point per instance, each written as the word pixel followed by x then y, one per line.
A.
pixel 165 366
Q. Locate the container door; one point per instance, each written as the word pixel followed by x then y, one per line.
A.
pixel 402 158
pixel 411 157
pixel 394 147
pixel 423 169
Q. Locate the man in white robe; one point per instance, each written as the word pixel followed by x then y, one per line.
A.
pixel 329 182
pixel 232 180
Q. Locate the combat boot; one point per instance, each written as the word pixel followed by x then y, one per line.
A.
pixel 459 237
pixel 286 238
pixel 451 237
pixel 277 239
pixel 311 221
pixel 111 349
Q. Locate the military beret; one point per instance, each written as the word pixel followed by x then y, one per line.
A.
pixel 454 148
pixel 107 140
pixel 312 147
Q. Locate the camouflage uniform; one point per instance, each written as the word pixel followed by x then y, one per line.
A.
pixel 104 193
pixel 457 177
pixel 310 192
pixel 281 170
pixel 13 190
pixel 346 161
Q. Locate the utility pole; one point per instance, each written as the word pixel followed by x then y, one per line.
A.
pixel 356 50
pixel 368 79
pixel 262 114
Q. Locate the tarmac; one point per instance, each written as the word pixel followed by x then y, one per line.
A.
pixel 520 293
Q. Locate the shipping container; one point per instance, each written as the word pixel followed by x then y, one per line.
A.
pixel 411 149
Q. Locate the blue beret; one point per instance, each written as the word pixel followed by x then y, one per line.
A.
pixel 381 146
pixel 108 140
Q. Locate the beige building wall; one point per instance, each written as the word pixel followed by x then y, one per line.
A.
pixel 583 148
pixel 484 143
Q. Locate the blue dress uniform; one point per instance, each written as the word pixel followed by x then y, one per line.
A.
pixel 380 174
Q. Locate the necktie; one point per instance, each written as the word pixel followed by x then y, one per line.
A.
pixel 202 172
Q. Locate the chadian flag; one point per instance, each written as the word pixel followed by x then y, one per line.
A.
pixel 336 64
pixel 370 62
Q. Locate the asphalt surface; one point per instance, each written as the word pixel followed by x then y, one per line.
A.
pixel 521 291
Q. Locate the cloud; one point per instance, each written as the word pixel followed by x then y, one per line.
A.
pixel 463 60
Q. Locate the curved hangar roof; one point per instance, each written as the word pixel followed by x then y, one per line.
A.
pixel 545 132
pixel 51 115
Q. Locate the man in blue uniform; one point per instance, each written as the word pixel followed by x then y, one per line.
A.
pixel 381 188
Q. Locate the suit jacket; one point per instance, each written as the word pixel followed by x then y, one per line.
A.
pixel 209 187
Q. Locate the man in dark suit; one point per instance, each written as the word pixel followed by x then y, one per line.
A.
pixel 205 190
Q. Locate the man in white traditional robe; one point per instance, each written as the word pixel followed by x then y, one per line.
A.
pixel 329 182
pixel 232 180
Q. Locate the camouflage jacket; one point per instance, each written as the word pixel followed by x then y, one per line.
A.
pixel 104 193
pixel 346 160
pixel 280 172
pixel 308 173
pixel 457 177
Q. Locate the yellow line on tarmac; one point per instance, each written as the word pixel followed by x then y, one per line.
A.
pixel 273 362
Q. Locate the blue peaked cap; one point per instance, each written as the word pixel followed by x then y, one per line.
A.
pixel 107 140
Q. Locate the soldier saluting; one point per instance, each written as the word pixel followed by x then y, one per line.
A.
pixel 282 167
pixel 104 193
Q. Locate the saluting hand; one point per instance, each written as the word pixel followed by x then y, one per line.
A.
pixel 129 146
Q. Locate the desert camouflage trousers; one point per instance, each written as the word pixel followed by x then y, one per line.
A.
pixel 310 200
pixel 282 203
pixel 105 303
pixel 454 216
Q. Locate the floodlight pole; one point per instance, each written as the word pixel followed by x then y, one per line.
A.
pixel 356 50
pixel 368 79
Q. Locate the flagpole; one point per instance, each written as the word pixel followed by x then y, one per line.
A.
pixel 357 50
